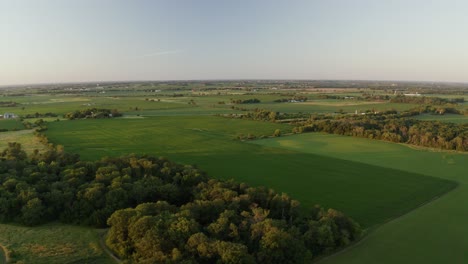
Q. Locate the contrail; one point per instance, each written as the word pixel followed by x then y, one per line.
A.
pixel 160 53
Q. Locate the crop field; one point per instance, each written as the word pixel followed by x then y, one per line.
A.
pixel 166 135
pixel 434 233
pixel 370 197
pixel 52 243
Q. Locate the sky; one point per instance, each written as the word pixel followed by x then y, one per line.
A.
pixel 51 41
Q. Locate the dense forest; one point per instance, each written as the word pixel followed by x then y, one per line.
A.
pixel 162 212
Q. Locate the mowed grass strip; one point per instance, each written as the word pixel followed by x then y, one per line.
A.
pixel 52 243
pixel 370 194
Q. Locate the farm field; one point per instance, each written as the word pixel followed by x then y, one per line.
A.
pixel 64 103
pixel 413 237
pixel 353 187
pixel 330 106
pixel 460 119
pixel 52 243
pixel 377 183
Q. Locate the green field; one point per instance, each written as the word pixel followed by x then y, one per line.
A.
pixel 52 243
pixel 434 233
pixel 459 119
pixel 372 181
pixel 331 106
pixel 26 138
pixel 11 124
pixel 368 193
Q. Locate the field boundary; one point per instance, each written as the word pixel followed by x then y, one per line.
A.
pixel 372 229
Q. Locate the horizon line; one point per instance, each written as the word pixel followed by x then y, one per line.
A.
pixel 226 79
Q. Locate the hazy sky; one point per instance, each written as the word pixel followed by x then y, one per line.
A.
pixel 98 40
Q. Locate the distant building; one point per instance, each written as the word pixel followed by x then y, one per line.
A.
pixel 9 115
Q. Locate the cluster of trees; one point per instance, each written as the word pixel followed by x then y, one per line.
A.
pixel 373 97
pixel 153 100
pixel 391 127
pixel 93 113
pixel 160 211
pixel 296 98
pixel 39 125
pixel 246 101
pixel 8 104
pixel 425 100
pixel 38 115
pixel 329 96
pixel 267 115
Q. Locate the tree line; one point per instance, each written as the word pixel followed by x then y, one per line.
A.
pixel 434 134
pixel 162 212
pixel 388 125
pixel 93 113
pixel 425 100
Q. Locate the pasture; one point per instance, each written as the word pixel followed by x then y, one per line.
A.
pixel 370 194
pixel 434 233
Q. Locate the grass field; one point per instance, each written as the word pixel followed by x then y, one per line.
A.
pixel 25 137
pixel 52 243
pixel 331 106
pixel 66 103
pixel 434 233
pixel 459 119
pixel 368 193
pixel 11 124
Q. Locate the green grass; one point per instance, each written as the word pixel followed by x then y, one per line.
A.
pixel 459 119
pixel 52 243
pixel 434 233
pixel 26 138
pixel 368 193
pixel 66 103
pixel 331 106
pixel 11 124
pixel 156 135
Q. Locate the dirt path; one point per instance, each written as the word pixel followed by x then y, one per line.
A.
pixel 107 250
pixel 3 256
